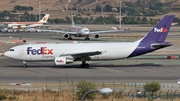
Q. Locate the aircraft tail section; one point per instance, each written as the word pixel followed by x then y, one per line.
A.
pixel 159 33
pixel 45 18
pixel 155 39
pixel 72 19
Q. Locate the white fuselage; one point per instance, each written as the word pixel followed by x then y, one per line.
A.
pixel 81 31
pixel 47 52
pixel 23 24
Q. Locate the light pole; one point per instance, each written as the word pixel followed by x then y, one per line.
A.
pixel 102 14
pixel 120 14
pixel 39 9
pixel 106 92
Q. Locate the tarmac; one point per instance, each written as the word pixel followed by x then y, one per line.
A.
pixel 150 67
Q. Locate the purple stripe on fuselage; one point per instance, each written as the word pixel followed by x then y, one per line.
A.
pixel 142 48
pixel 146 47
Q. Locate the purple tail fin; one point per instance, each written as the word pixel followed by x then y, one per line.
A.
pixel 159 32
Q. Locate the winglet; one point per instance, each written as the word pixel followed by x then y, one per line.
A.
pixel 44 19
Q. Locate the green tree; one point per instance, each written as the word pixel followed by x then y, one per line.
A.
pixel 13 11
pixel 83 87
pixel 74 8
pixel 107 8
pixel 3 97
pixel 31 8
pixel 88 14
pixel 152 87
pixel 68 20
pixel 98 8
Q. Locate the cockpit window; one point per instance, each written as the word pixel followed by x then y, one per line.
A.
pixel 86 30
pixel 11 50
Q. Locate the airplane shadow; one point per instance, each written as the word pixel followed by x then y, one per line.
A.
pixel 76 39
pixel 92 66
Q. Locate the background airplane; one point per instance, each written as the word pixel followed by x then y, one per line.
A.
pixel 20 25
pixel 78 31
pixel 66 53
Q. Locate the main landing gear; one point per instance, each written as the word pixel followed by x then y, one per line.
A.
pixel 24 66
pixel 69 38
pixel 84 64
pixel 87 38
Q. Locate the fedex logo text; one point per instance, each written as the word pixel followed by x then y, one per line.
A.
pixel 60 61
pixel 42 50
pixel 160 30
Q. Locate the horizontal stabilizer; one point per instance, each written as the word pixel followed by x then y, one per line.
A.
pixel 161 45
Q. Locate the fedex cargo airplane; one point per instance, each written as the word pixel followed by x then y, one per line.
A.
pixel 66 53
pixel 20 25
pixel 78 31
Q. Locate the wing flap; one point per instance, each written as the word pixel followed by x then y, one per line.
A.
pixel 107 31
pixel 59 31
pixel 82 54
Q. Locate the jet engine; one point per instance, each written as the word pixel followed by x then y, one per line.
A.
pixel 96 36
pixel 65 36
pixel 19 27
pixel 62 61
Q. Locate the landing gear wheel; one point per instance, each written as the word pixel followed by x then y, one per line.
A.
pixel 87 38
pixel 81 66
pixel 84 65
pixel 69 38
pixel 24 66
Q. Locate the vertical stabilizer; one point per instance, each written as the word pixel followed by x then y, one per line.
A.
pixel 160 31
pixel 44 19
pixel 155 39
pixel 72 19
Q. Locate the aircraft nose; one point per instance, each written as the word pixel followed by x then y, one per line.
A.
pixel 87 32
pixel 6 54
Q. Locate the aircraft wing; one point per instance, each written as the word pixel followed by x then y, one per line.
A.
pixel 56 31
pixel 107 31
pixel 60 31
pixel 83 54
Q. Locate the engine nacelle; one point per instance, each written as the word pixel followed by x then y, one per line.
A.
pixel 96 36
pixel 65 35
pixel 62 61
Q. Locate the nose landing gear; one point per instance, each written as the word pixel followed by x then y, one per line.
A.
pixel 24 66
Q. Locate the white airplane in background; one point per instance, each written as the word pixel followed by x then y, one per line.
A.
pixel 78 31
pixel 20 25
pixel 66 53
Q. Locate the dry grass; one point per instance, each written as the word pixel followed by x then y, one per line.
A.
pixel 65 95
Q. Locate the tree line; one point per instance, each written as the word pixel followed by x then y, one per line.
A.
pixel 110 19
pixel 23 8
pixel 136 13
